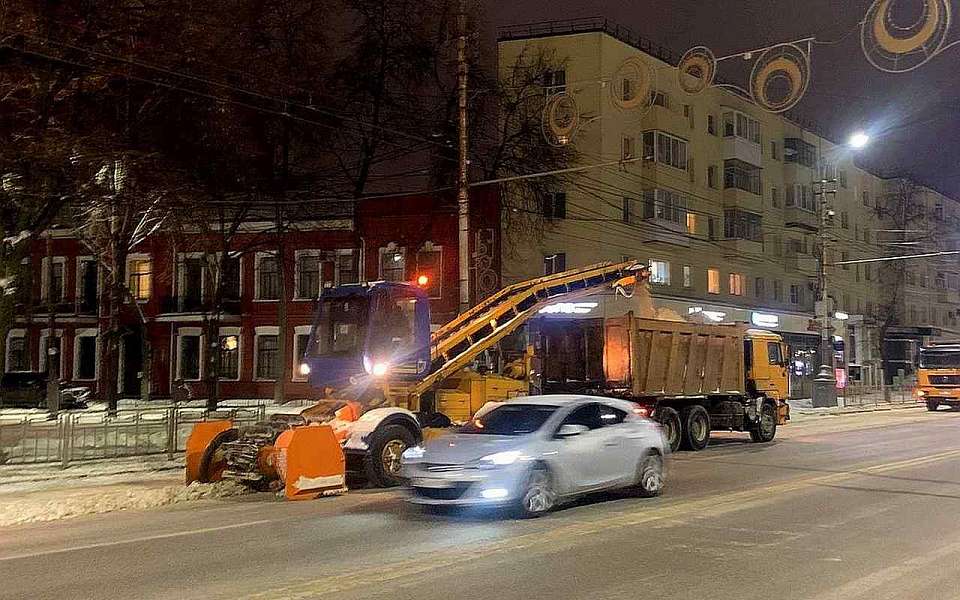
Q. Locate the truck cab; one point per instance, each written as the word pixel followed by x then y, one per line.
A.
pixel 938 376
pixel 765 355
pixel 368 332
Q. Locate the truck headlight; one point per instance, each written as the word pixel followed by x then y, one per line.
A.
pixel 500 459
pixel 380 369
pixel 304 369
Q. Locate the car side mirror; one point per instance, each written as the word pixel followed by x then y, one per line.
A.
pixel 570 430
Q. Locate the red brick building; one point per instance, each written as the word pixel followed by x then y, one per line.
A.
pixel 385 238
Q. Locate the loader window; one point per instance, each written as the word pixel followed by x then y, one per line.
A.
pixel 939 360
pixel 393 324
pixel 340 327
pixel 773 353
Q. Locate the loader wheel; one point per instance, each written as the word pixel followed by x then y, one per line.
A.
pixel 696 428
pixel 213 462
pixel 766 428
pixel 382 461
pixel 669 419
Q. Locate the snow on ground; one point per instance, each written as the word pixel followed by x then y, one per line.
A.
pixel 64 504
pixel 25 478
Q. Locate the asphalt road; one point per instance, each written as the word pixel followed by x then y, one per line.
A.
pixel 861 506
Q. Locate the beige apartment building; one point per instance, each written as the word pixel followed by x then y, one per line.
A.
pixel 722 199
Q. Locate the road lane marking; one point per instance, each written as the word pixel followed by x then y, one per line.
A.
pixel 563 536
pixel 146 538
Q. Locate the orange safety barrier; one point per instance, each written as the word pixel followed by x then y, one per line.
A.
pixel 199 441
pixel 310 462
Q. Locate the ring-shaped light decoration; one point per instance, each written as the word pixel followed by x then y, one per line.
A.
pixel 561 117
pixel 783 62
pixel 632 85
pixel 896 48
pixel 696 70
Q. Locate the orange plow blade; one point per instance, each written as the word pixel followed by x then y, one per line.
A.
pixel 198 444
pixel 310 462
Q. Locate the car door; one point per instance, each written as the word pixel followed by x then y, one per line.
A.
pixel 584 458
pixel 621 440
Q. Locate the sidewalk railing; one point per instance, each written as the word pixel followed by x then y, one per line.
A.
pixel 91 435
pixel 865 395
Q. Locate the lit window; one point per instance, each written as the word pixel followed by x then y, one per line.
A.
pixel 393 264
pixel 691 223
pixel 713 281
pixel 736 284
pixel 139 277
pixel 229 367
pixel 659 272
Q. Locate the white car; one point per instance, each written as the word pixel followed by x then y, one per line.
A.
pixel 536 452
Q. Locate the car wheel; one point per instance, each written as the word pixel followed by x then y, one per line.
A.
pixel 382 462
pixel 669 419
pixel 766 427
pixel 932 405
pixel 538 496
pixel 650 477
pixel 696 428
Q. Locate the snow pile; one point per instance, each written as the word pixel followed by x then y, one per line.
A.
pixel 109 499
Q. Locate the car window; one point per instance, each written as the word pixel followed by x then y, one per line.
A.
pixel 611 416
pixel 510 419
pixel 587 415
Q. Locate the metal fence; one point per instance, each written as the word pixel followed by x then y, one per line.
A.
pixel 876 395
pixel 90 435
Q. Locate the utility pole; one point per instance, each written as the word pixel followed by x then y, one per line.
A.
pixel 53 378
pixel 825 383
pixel 463 198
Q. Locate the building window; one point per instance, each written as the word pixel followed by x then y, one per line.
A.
pixel 52 285
pixel 659 272
pixel 346 269
pixel 866 236
pixel 691 223
pixel 736 284
pixel 774 151
pixel 759 287
pixel 740 125
pixel 845 256
pixel 795 294
pixel 801 196
pixel 85 355
pixel 940 281
pixel 301 338
pixel 658 98
pixel 430 265
pixel 554 263
pixel 268 277
pixel 267 356
pixel 190 282
pixel 555 205
pixel 713 281
pixel 626 148
pixel 741 175
pixel 665 149
pixel 52 343
pixel 229 363
pixel 554 81
pixel 665 205
pixel 741 225
pixel 393 264
pixel 711 125
pixel 308 274
pixel 778 291
pixel 188 355
pixel 711 228
pixel 18 351
pixel 712 176
pixel 87 286
pixel 687 277
pixel 230 278
pixel 843 178
pixel 796 150
pixel 775 197
pixel 139 278
pixel 868 273
pixel 865 197
pixel 844 219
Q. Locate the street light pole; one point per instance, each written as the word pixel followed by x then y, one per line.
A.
pixel 825 383
pixel 463 186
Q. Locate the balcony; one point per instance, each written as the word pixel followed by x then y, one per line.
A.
pixel 742 247
pixel 734 197
pixel 738 148
pixel 794 216
pixel 800 263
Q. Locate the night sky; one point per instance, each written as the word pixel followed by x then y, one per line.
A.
pixel 914 117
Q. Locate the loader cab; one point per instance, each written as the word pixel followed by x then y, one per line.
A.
pixel 378 330
pixel 765 355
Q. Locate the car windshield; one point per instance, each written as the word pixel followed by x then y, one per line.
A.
pixel 933 359
pixel 510 419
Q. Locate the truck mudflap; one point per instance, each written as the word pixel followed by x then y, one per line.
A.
pixel 783 412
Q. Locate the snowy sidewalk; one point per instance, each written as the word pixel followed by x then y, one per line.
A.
pixel 803 407
pixel 34 493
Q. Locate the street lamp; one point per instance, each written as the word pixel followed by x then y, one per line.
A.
pixel 858 140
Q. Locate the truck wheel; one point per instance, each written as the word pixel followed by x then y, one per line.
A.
pixel 382 461
pixel 766 427
pixel 650 476
pixel 669 419
pixel 932 405
pixel 696 428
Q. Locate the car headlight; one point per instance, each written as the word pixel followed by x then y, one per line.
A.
pixel 500 459
pixel 413 453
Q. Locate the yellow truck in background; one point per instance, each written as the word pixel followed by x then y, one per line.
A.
pixel 938 376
